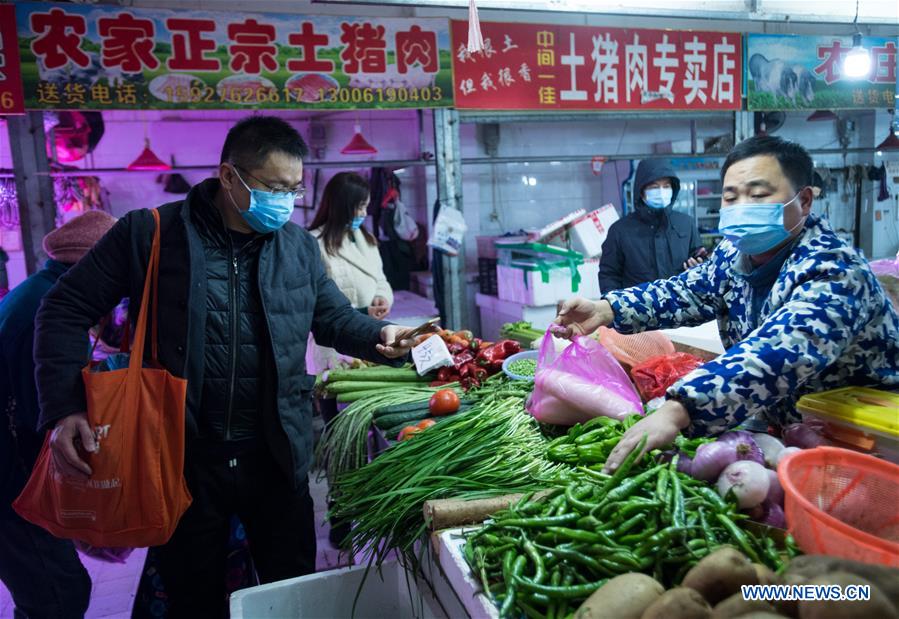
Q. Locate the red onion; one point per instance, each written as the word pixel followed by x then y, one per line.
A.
pixel 775 516
pixel 748 481
pixel 711 459
pixel 685 464
pixel 786 451
pixel 804 436
pixel 747 449
pixel 770 446
pixel 775 491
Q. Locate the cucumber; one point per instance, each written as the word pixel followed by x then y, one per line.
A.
pixel 386 375
pixel 403 408
pixel 352 385
pixel 406 419
pixel 348 397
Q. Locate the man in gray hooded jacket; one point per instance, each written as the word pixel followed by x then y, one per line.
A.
pixel 653 242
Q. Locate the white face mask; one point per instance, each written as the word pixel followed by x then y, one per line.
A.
pixel 659 197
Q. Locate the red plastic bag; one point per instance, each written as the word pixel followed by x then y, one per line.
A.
pixel 654 376
pixel 582 382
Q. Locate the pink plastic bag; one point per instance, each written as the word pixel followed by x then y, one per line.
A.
pixel 582 382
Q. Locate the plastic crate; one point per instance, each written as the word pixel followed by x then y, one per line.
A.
pixel 487 282
pixel 864 419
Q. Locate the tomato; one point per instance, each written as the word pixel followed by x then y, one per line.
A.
pixel 408 432
pixel 424 424
pixel 444 402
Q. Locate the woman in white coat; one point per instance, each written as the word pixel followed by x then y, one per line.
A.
pixel 349 250
pixel 352 260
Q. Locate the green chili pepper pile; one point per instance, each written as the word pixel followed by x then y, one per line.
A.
pixel 543 557
pixel 591 443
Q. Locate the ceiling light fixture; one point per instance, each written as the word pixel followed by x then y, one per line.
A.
pixel 148 160
pixel 358 145
pixel 892 140
pixel 821 116
pixel 857 63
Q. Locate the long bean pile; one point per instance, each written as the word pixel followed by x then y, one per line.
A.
pixel 543 557
pixel 492 449
pixel 344 446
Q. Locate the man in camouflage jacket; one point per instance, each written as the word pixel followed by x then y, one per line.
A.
pixel 807 315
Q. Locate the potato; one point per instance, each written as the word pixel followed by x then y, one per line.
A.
pixel 761 614
pixel 810 566
pixel 878 605
pixel 736 606
pixel 790 608
pixel 623 597
pixel 765 575
pixel 678 603
pixel 721 574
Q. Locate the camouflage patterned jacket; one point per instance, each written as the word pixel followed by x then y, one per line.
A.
pixel 827 323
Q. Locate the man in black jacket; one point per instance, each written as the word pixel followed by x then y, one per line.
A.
pixel 42 572
pixel 240 288
pixel 655 241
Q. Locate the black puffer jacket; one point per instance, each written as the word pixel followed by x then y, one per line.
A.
pixel 648 244
pixel 235 351
pixel 296 294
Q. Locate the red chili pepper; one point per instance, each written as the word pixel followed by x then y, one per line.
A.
pixel 439 383
pixel 462 359
pixel 455 349
pixel 498 353
pixel 445 375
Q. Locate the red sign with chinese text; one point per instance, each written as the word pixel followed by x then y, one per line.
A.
pixel 11 99
pixel 551 67
pixel 78 56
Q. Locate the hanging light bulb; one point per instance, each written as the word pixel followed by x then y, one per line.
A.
pixel 358 145
pixel 147 160
pixel 857 62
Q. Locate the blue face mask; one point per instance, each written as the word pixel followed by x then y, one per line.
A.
pixel 659 197
pixel 755 228
pixel 357 222
pixel 268 211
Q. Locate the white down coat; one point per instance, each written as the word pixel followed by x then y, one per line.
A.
pixel 358 271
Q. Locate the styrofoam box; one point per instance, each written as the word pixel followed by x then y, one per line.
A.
pixel 528 288
pixel 331 594
pixel 590 231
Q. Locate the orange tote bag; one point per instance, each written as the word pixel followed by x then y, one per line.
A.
pixel 137 492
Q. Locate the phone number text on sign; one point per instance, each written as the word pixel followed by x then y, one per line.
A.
pixel 537 66
pixel 255 96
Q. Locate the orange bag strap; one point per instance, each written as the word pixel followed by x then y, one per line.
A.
pixel 151 283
